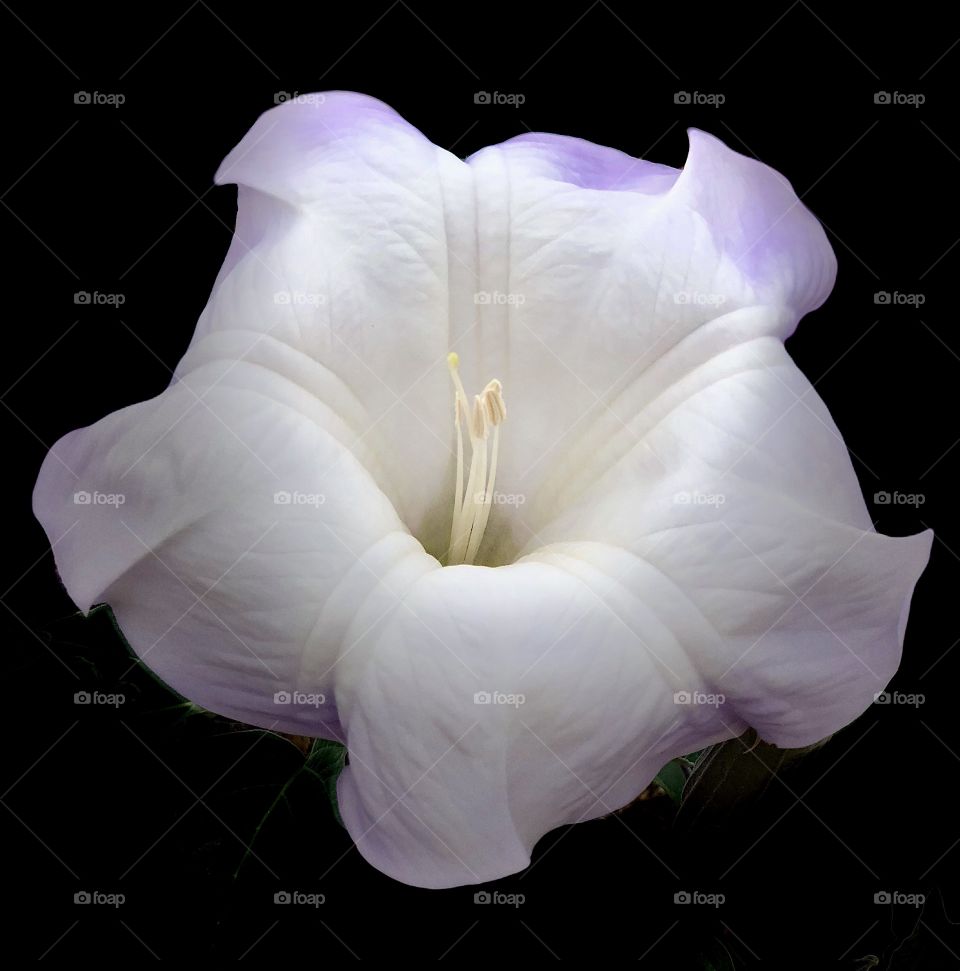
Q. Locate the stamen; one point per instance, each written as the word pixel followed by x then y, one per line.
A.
pixel 478 418
pixel 471 508
pixel 458 495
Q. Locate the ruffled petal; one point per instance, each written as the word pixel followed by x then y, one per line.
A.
pixel 607 270
pixel 505 703
pixel 353 231
pixel 235 533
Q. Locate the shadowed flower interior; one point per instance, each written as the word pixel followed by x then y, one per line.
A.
pixel 312 509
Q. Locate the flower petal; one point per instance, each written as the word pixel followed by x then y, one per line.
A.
pixel 473 731
pixel 596 667
pixel 346 250
pixel 614 268
pixel 246 536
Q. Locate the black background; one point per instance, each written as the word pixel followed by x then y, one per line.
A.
pixel 157 806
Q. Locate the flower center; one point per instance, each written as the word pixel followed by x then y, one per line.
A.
pixel 471 505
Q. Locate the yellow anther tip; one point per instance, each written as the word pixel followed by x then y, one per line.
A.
pixel 453 360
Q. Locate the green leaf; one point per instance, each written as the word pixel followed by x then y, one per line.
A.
pixel 731 773
pixel 723 954
pixel 672 778
pixel 326 761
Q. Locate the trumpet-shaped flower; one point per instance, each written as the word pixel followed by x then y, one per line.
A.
pixel 497 471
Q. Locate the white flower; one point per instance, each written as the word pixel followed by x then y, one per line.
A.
pixel 621 323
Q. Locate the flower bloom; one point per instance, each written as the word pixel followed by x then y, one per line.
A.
pixel 497 471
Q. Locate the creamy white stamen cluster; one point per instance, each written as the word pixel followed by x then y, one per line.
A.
pixel 471 508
